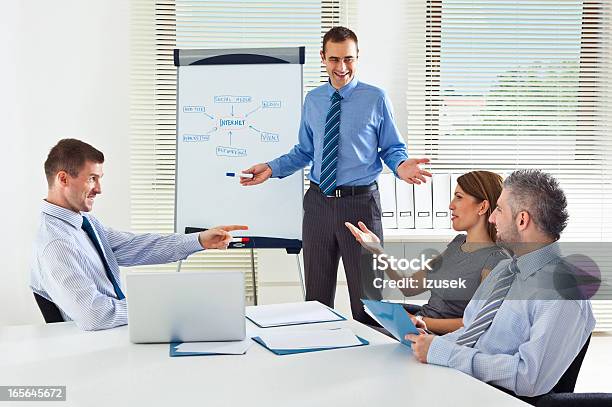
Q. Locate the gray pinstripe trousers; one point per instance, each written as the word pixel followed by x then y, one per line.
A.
pixel 325 239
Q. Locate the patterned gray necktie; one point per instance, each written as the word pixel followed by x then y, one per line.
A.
pixel 485 316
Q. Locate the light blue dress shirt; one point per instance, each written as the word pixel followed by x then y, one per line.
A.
pixel 67 269
pixel 367 134
pixel 532 341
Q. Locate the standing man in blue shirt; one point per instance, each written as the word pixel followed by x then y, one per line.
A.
pixel 521 331
pixel 76 258
pixel 347 127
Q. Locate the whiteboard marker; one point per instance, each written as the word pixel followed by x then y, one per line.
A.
pixel 241 175
pixel 240 240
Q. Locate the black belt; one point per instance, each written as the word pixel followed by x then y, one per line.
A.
pixel 348 190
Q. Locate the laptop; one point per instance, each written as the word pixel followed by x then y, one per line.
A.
pixel 185 307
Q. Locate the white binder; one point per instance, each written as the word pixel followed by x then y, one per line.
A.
pixel 441 192
pixel 405 204
pixel 423 206
pixel 386 186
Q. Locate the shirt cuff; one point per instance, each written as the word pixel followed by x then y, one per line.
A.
pixel 192 244
pixel 121 312
pixel 275 167
pixel 394 161
pixel 396 166
pixel 439 351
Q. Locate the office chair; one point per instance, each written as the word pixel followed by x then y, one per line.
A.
pixel 576 400
pixel 566 383
pixel 48 309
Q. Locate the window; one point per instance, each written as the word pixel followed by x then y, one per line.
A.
pixel 502 85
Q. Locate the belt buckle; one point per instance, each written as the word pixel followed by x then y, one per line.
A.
pixel 338 193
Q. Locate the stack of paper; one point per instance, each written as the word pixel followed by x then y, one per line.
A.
pixel 393 317
pixel 297 313
pixel 210 348
pixel 283 343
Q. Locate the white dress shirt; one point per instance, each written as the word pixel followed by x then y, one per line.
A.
pixel 67 269
pixel 535 334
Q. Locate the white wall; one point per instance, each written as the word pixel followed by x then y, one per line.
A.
pixel 65 70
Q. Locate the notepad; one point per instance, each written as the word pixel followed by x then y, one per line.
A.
pixel 283 343
pixel 393 317
pixel 296 313
pixel 210 348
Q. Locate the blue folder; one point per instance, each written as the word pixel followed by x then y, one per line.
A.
pixel 294 351
pixel 394 318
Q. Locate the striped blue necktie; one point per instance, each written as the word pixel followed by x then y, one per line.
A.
pixel 330 147
pixel 485 316
pixel 92 236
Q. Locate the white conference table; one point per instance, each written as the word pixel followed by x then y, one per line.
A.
pixel 104 369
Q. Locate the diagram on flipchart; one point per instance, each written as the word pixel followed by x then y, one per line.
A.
pixel 231 119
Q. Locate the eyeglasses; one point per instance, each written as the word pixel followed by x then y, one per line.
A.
pixel 346 60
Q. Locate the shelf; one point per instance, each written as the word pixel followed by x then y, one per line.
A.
pixel 411 235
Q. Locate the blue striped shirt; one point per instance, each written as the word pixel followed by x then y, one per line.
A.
pixel 67 269
pixel 531 342
pixel 367 134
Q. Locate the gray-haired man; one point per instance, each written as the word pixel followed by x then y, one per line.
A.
pixel 524 345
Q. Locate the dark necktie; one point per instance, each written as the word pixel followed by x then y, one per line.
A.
pixel 92 236
pixel 330 147
pixel 485 316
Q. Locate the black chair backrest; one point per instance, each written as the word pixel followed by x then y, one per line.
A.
pixel 48 309
pixel 567 382
pixel 576 400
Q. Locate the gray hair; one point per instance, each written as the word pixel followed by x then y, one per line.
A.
pixel 539 194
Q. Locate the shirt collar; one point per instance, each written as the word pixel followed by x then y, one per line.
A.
pixel 68 216
pixel 344 91
pixel 533 261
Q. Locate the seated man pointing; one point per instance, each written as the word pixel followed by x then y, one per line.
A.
pixel 76 258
